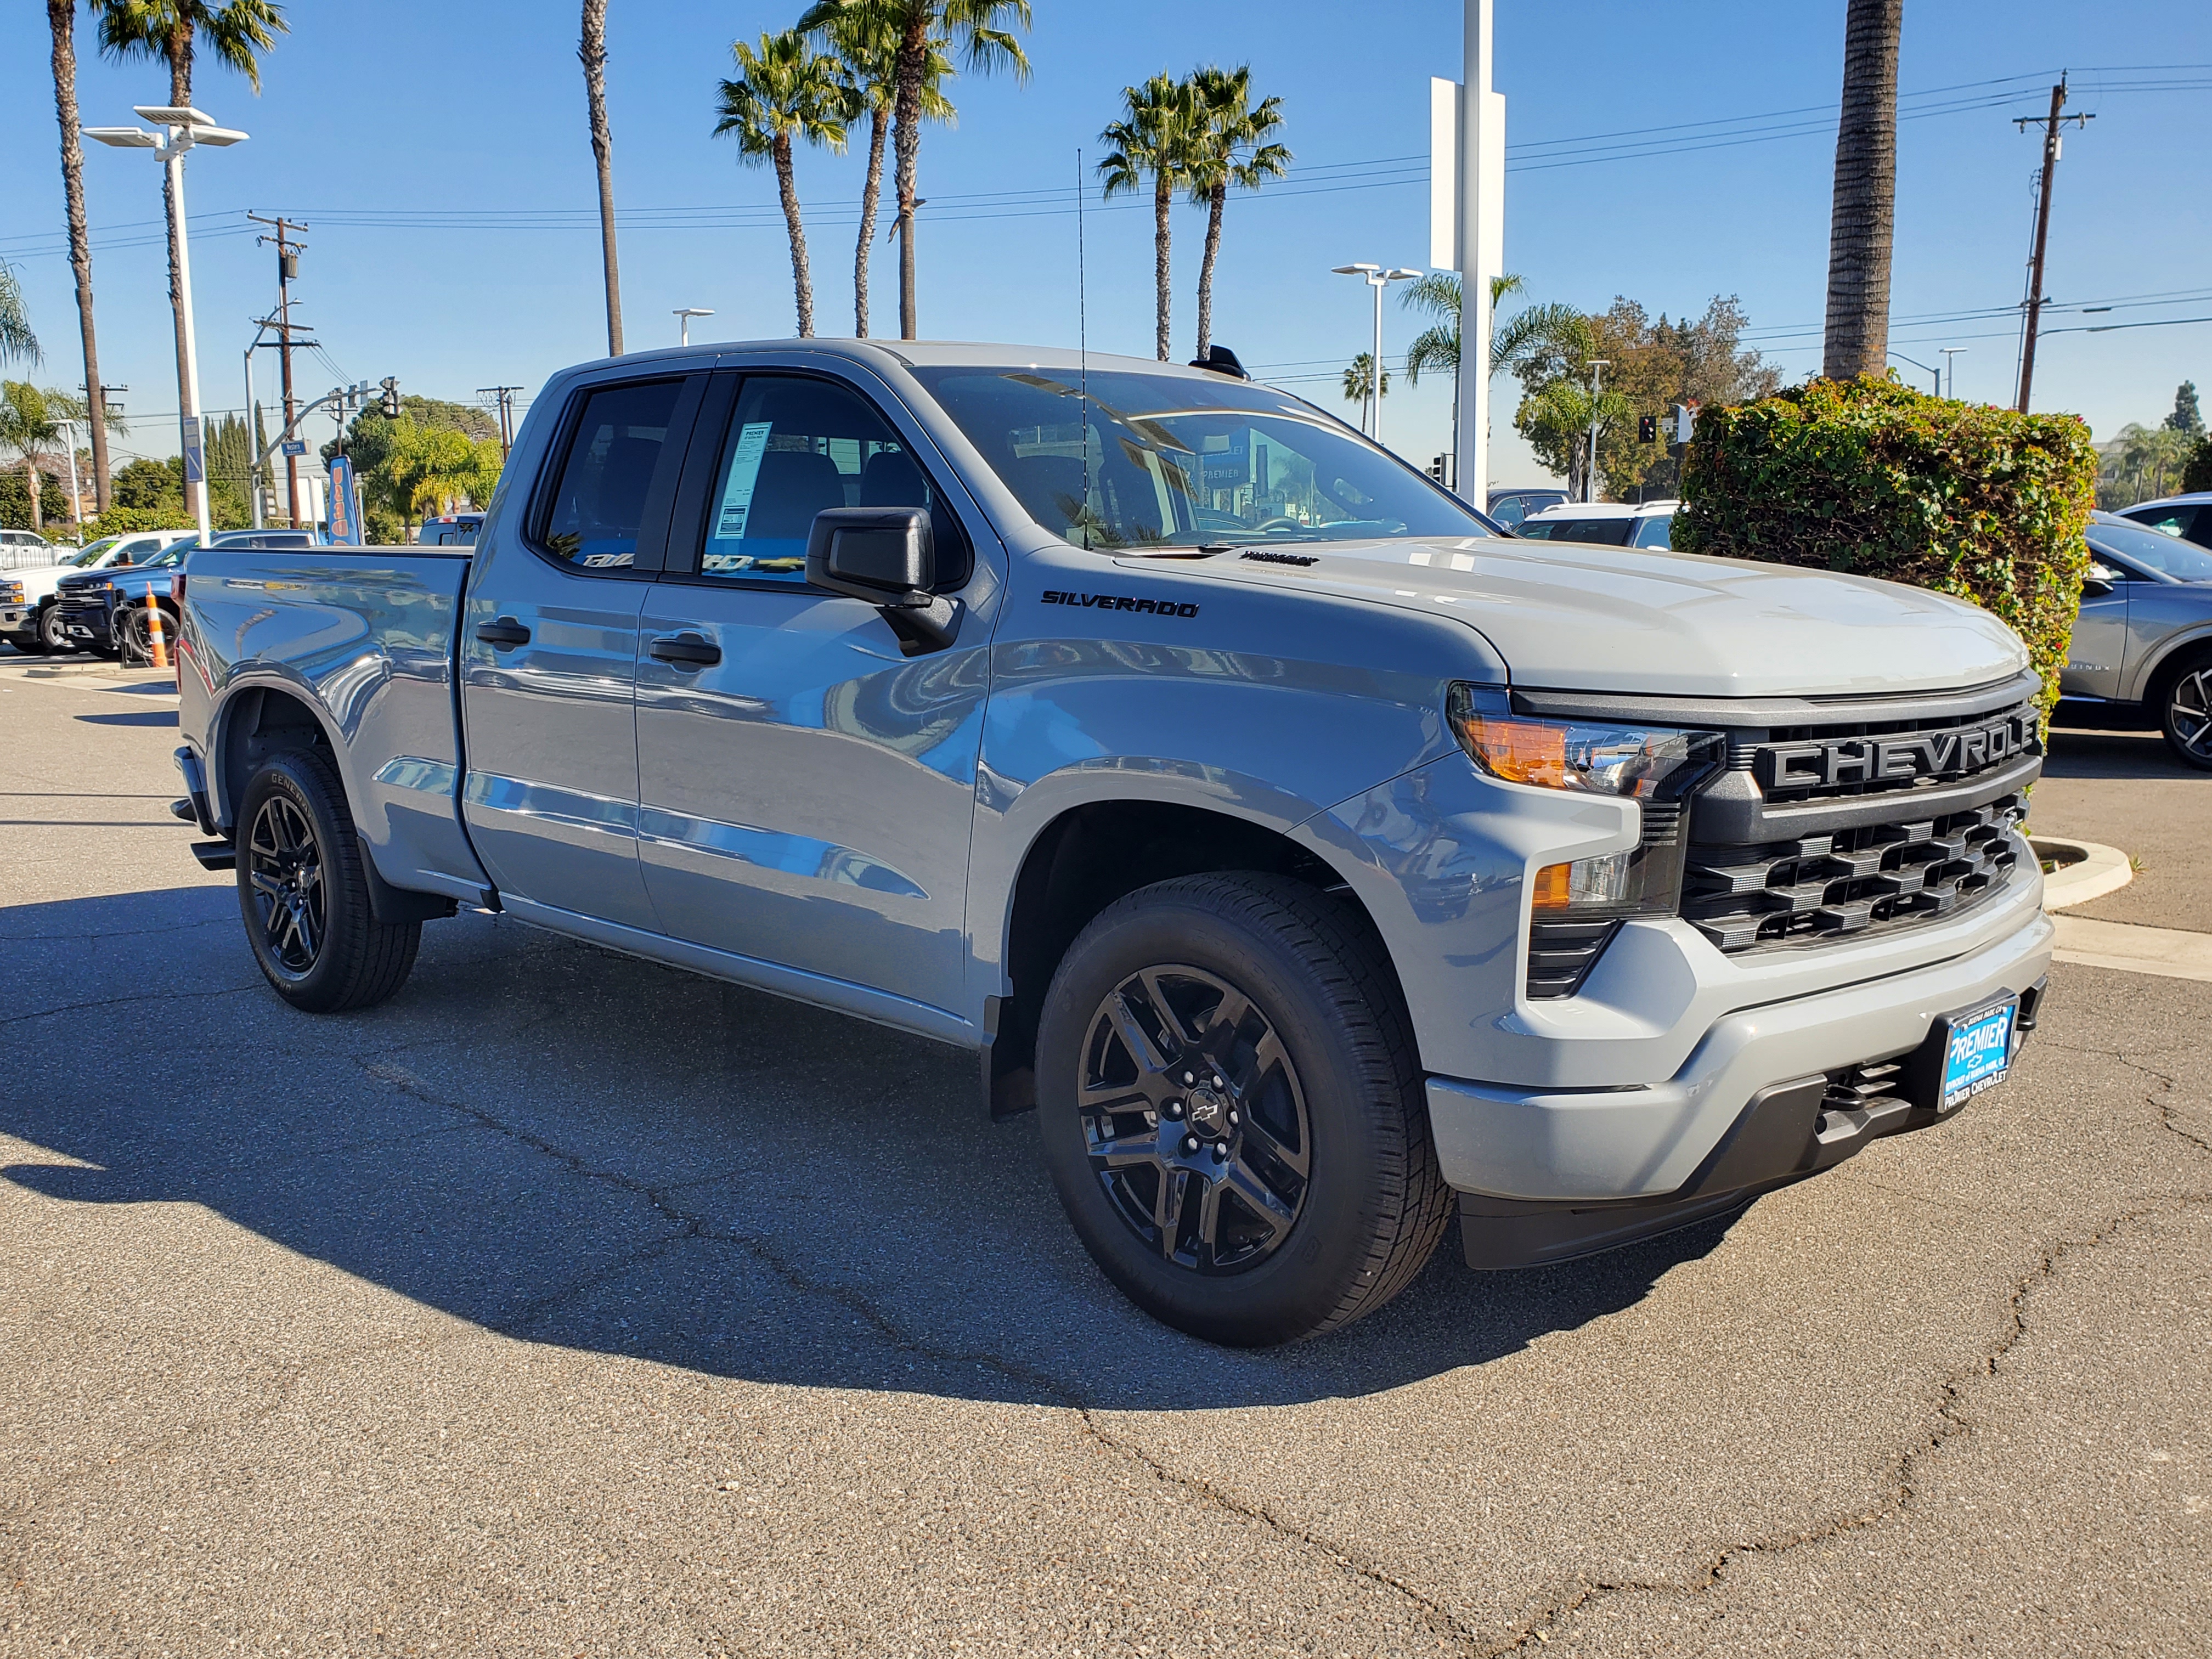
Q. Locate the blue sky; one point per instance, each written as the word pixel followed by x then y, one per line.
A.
pixel 439 154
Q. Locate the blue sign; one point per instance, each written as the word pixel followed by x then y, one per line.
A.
pixel 294 446
pixel 195 459
pixel 344 509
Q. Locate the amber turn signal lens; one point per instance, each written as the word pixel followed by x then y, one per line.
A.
pixel 1519 751
pixel 1554 888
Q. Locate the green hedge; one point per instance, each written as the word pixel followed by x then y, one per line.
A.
pixel 1872 478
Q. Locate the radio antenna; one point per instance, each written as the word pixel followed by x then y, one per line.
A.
pixel 1082 344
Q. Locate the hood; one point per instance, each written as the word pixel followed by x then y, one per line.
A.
pixel 1569 616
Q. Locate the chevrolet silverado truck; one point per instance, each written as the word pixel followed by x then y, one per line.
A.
pixel 1319 862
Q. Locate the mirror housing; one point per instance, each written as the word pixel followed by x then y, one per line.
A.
pixel 886 556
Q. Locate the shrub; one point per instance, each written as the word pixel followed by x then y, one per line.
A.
pixel 133 520
pixel 1874 478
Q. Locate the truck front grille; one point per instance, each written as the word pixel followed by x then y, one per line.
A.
pixel 1868 757
pixel 80 606
pixel 1872 877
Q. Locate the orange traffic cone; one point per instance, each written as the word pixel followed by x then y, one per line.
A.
pixel 153 631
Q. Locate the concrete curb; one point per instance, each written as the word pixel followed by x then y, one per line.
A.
pixel 2165 952
pixel 2090 872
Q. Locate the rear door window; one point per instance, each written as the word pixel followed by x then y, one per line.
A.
pixel 2180 522
pixel 620 447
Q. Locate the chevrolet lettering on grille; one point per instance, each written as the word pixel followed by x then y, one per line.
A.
pixel 1902 758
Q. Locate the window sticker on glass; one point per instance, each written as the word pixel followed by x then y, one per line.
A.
pixel 744 472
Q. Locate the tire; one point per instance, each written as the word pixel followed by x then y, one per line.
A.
pixel 1319 1068
pixel 135 639
pixel 50 628
pixel 2184 711
pixel 303 892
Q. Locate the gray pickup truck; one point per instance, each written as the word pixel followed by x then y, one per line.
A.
pixel 1318 861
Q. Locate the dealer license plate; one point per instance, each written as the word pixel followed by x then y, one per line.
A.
pixel 1978 1053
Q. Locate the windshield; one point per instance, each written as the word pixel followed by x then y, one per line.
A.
pixel 91 555
pixel 172 554
pixel 1134 460
pixel 2183 561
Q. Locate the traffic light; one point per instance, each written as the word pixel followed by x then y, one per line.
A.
pixel 1647 429
pixel 391 403
pixel 1436 469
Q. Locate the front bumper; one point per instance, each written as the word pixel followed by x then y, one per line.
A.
pixel 1653 1142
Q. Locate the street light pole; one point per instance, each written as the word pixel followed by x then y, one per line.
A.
pixel 684 316
pixel 1597 367
pixel 182 127
pixel 1378 279
pixel 1951 369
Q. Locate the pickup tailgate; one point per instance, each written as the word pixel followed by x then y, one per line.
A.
pixel 364 638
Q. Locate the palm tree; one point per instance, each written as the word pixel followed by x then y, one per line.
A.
pixel 866 41
pixel 16 339
pixel 1863 216
pixel 785 90
pixel 171 31
pixel 1152 140
pixel 1360 380
pixel 61 19
pixel 592 52
pixel 30 426
pixel 974 27
pixel 1229 147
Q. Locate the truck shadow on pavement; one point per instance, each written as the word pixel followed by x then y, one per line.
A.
pixel 566 1147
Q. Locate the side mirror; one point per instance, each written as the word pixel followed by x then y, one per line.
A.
pixel 2099 580
pixel 887 556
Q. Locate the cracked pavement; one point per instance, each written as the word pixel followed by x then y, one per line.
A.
pixel 569 1305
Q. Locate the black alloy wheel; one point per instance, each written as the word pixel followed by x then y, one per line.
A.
pixel 1232 1111
pixel 1195 1120
pixel 303 891
pixel 51 633
pixel 2187 713
pixel 284 868
pixel 137 633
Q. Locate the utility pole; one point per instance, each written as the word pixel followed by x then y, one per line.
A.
pixel 2051 125
pixel 505 395
pixel 287 267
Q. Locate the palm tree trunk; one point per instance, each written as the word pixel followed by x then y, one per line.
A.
pixel 31 478
pixel 872 194
pixel 61 16
pixel 1216 201
pixel 786 186
pixel 1162 296
pixel 592 53
pixel 1862 219
pixel 906 145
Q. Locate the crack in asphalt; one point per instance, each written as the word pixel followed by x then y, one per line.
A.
pixel 689 1228
pixel 120 1002
pixel 1950 1423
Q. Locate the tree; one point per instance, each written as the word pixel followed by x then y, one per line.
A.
pixel 16 339
pixel 1556 420
pixel 148 486
pixel 30 429
pixel 1153 140
pixel 1360 379
pixel 430 470
pixel 785 90
pixel 971 27
pixel 1656 365
pixel 171 31
pixel 2186 417
pixel 1230 148
pixel 61 19
pixel 866 41
pixel 592 52
pixel 1863 213
pixel 1534 329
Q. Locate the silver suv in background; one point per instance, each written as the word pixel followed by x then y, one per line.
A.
pixel 2143 645
pixel 1605 524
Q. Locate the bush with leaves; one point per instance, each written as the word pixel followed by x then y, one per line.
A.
pixel 137 521
pixel 2197 474
pixel 1874 478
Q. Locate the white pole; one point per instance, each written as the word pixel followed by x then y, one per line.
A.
pixel 1375 363
pixel 1472 459
pixel 253 469
pixel 76 492
pixel 191 389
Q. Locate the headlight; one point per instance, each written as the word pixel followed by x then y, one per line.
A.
pixel 1655 766
pixel 11 593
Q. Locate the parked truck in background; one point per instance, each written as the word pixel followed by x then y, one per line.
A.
pixel 1318 861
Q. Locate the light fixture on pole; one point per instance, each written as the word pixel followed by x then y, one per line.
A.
pixel 182 128
pixel 1951 369
pixel 1925 368
pixel 1378 279
pixel 684 316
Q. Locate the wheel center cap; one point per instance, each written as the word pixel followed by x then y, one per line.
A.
pixel 1208 1111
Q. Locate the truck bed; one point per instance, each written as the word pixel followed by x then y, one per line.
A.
pixel 366 633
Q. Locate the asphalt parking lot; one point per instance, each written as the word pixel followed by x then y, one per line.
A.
pixel 569 1305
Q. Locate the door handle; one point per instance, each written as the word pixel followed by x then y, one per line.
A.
pixel 691 649
pixel 503 633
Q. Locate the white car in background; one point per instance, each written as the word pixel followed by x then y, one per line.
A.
pixel 31 620
pixel 1609 524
